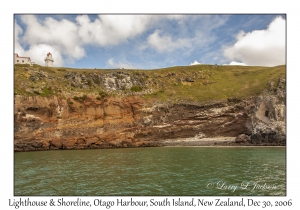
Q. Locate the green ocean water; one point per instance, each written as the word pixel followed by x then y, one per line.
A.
pixel 193 171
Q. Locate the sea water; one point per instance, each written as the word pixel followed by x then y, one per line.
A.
pixel 194 171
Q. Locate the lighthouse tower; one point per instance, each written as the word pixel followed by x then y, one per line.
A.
pixel 49 60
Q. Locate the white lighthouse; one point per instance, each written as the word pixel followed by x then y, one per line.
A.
pixel 49 60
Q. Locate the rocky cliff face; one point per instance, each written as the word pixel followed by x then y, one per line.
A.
pixel 43 123
pixel 269 118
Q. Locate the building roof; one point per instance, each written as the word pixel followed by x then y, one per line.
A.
pixel 21 56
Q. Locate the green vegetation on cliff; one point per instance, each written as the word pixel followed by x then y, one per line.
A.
pixel 175 84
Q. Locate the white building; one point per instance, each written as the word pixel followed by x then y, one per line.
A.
pixel 49 60
pixel 22 60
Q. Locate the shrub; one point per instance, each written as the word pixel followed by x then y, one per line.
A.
pixel 102 93
pixel 136 88
pixel 84 97
pixel 120 77
pixel 97 81
pixel 279 128
pixel 89 82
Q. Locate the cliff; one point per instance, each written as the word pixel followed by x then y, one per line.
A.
pixel 58 108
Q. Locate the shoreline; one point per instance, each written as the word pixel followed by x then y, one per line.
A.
pixel 212 146
pixel 212 142
pixel 181 142
pixel 229 146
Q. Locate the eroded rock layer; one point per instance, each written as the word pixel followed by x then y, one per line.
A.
pixel 46 123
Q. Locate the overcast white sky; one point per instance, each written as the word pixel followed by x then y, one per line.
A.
pixel 151 41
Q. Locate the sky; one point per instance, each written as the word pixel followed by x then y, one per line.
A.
pixel 151 41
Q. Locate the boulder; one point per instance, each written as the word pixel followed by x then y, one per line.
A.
pixel 242 138
pixel 188 79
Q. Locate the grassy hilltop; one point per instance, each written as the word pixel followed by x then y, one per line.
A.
pixel 200 83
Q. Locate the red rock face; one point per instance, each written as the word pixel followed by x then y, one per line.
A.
pixel 43 123
pixel 52 123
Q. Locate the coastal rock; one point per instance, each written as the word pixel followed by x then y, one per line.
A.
pixel 242 138
pixel 269 118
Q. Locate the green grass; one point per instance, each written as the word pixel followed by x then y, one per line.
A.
pixel 223 82
pixel 168 84
pixel 47 91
